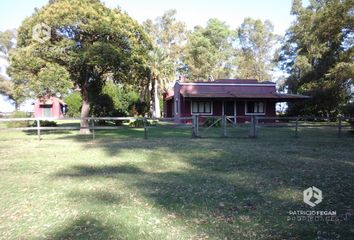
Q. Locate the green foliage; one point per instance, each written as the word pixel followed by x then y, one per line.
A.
pixel 138 123
pixel 210 121
pixel 348 110
pixel 48 123
pixel 7 41
pixel 317 53
pixel 87 42
pixel 115 101
pixel 18 124
pixel 167 35
pixel 45 123
pixel 254 59
pixel 73 102
pixel 209 51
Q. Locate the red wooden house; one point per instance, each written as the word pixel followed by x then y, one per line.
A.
pixel 49 107
pixel 236 98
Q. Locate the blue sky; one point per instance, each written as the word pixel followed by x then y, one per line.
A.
pixel 192 12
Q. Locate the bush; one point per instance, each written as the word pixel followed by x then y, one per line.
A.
pixel 348 110
pixel 45 124
pixel 210 121
pixel 114 101
pixel 18 124
pixel 138 123
pixel 73 102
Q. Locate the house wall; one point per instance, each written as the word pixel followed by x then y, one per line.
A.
pixel 185 109
pixel 241 109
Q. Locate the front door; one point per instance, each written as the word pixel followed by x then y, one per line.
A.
pixel 229 110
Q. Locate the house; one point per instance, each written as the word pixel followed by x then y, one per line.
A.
pixel 238 99
pixel 49 107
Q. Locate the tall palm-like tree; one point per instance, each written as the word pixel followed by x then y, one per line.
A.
pixel 162 71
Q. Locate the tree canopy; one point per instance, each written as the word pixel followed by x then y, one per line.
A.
pixel 209 51
pixel 87 42
pixel 254 58
pixel 318 55
pixel 168 36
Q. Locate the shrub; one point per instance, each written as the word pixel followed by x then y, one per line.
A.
pixel 210 121
pixel 18 124
pixel 73 102
pixel 139 123
pixel 348 110
pixel 47 123
pixel 114 101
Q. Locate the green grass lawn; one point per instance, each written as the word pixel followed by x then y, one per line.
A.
pixel 171 186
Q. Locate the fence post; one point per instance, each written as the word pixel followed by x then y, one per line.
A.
pixel 339 126
pixel 93 129
pixel 224 133
pixel 39 129
pixel 296 126
pixel 253 133
pixel 197 125
pixel 145 129
pixel 194 133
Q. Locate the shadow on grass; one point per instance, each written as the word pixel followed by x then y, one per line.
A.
pixel 84 228
pixel 107 171
pixel 213 205
pixel 97 197
pixel 234 189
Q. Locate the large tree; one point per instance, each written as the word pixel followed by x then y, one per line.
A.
pixel 209 51
pixel 318 55
pixel 168 36
pixel 87 41
pixel 254 57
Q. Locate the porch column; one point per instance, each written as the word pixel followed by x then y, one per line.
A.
pixel 235 114
pixel 177 102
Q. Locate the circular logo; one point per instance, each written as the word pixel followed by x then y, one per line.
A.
pixel 41 32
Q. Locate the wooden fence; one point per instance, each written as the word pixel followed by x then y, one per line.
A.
pixel 256 123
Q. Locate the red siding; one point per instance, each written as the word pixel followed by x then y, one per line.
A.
pixel 185 108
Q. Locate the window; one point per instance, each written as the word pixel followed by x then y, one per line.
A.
pixel 255 107
pixel 201 107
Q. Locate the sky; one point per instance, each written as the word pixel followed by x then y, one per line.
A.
pixel 192 12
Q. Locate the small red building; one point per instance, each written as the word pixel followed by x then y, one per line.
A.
pixel 235 98
pixel 49 107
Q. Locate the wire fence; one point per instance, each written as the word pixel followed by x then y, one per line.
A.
pixel 197 126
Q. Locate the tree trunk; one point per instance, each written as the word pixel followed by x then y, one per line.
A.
pixel 151 98
pixel 85 110
pixel 157 111
pixel 154 98
pixel 17 106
